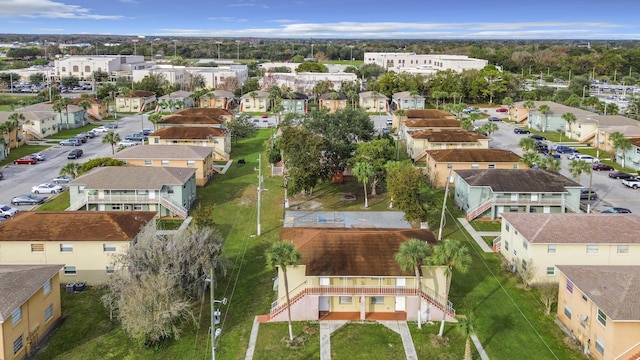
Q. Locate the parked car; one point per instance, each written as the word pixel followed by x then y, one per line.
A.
pixel 537 137
pixel 616 210
pixel 29 199
pixel 520 130
pixel 617 174
pixel 1 175
pixel 586 158
pixel 39 156
pixel 562 149
pixel 62 179
pixel 502 110
pixel 7 211
pixel 146 132
pixel 389 122
pixel 75 153
pixel 89 134
pixel 127 143
pixel 584 194
pixel 46 188
pixel 601 167
pixel 83 139
pixel 71 142
pixel 101 129
pixel 26 160
pixel 111 126
pixel 632 183
pixel 265 115
pixel 493 118
pixel 255 121
pixel 135 137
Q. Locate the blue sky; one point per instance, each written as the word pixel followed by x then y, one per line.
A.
pixel 361 19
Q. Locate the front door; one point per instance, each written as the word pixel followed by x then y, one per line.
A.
pixel 323 304
pixel 401 303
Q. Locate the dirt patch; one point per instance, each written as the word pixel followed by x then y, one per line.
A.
pixel 248 196
pixel 304 204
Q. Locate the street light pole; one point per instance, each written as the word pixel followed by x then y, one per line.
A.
pixel 351 53
pixel 215 314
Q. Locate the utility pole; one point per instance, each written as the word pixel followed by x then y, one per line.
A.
pixel 259 188
pixel 444 204
pixel 215 314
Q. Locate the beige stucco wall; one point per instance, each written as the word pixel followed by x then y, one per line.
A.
pixel 254 105
pixel 32 322
pixel 437 173
pixel 333 105
pixel 565 254
pixel 202 177
pixel 416 147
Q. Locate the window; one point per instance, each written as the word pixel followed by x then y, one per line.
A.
pixel 16 316
pixel 66 248
pixel 584 297
pixel 475 166
pixel 108 247
pixel 148 163
pixel 583 321
pixel 17 345
pixel 70 270
pixel 491 166
pixel 623 249
pixel 191 163
pixel 602 318
pixel 48 313
pixel 569 286
pixel 551 270
pixel 524 264
pixel 324 281
pixel 507 227
pixel 165 162
pixel 37 247
pixel 525 243
pixel 46 288
pixel 137 207
pixel 515 166
pixel 551 249
pixel 592 249
pixel 449 166
pixel 599 346
pixel 346 299
pixel 110 269
pixel 377 299
pixel 170 190
pixel 567 311
pixel 506 245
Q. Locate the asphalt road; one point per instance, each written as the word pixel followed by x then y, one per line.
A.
pixel 18 179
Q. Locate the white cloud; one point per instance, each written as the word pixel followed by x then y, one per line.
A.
pixel 227 19
pixel 49 9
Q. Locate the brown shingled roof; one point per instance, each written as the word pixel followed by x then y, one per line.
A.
pixel 189 132
pixel 518 180
pixel 75 225
pixel 18 283
pixel 635 141
pixel 613 289
pixel 427 114
pixel 352 252
pixel 416 123
pixel 576 228
pixel 211 112
pixel 447 135
pixel 76 101
pixel 191 119
pixel 473 155
pixel 141 94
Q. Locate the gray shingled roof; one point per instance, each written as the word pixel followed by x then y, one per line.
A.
pixel 18 283
pixel 573 228
pixel 164 152
pixel 133 177
pixel 613 289
pixel 518 180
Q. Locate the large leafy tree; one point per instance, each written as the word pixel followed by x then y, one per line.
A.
pixel 454 255
pixel 405 185
pixel 282 255
pixel 241 128
pixel 377 153
pixel 312 66
pixel 303 152
pixel 412 255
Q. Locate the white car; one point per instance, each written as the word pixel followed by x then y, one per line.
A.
pixel 7 211
pixel 586 158
pixel 127 143
pixel 101 129
pixel 46 188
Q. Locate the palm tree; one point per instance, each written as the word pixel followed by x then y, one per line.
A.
pixel 72 169
pixel 283 255
pixel 352 96
pixel 65 102
pixel 112 139
pixel 412 255
pixel 58 107
pixel 155 119
pixel 363 171
pixel 466 124
pixel 544 110
pixel 528 104
pixel 466 326
pixel 570 118
pixel 577 167
pixel 551 164
pixel 456 95
pixel 16 120
pixel 530 158
pixel 619 142
pixel 3 130
pixel 489 128
pixel 528 144
pixel 85 104
pixel 453 255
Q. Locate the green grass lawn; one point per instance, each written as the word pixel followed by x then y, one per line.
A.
pixel 486 225
pixel 22 151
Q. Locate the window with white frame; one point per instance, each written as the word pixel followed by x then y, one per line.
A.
pixel 191 163
pixel 525 243
pixel 116 207
pixel 110 269
pixel 507 227
pixel 70 270
pixel 108 247
pixel 18 344
pixel 602 318
pixel 46 288
pixel 48 313
pixel 475 166
pixel 37 247
pixel 137 207
pixel 324 281
pixel 66 248
pixel 16 315
pixel 623 249
pixel 346 299
pixel 551 270
pixel 165 162
pixel 377 300
pixel 599 346
pixel 567 311
pixel 506 245
pixel 592 249
pixel 551 249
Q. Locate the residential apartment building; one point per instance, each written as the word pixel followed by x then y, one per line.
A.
pixel 295 103
pixel 217 99
pixel 85 242
pixel 372 101
pixel 425 64
pixel 305 82
pixel 136 101
pixel 421 141
pixel 255 101
pixel 219 139
pixel 544 241
pixel 333 101
pixel 175 101
pixel 223 115
pixel 167 191
pixel 29 307
pixel 598 306
pixel 491 193
pixel 400 117
pixel 406 100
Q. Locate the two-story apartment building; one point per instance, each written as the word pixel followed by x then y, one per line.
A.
pixel 223 115
pixel 175 101
pixel 200 121
pixel 136 101
pixel 200 158
pixel 490 193
pixel 440 164
pixel 295 103
pixel 598 306
pixel 221 99
pixel 219 139
pixel 415 124
pixel 255 101
pixel 402 116
pixel 373 102
pixel 85 242
pixel 29 307
pixel 407 101
pixel 167 191
pixel 421 141
pixel 547 240
pixel 98 109
pixel 333 101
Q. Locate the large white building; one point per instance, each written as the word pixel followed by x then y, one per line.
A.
pixel 213 76
pixel 423 64
pixel 304 82
pixel 83 66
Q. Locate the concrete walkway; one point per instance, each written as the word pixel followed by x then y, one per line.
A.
pixel 326 329
pixel 477 236
pixel 252 339
pixel 478 344
pixel 401 328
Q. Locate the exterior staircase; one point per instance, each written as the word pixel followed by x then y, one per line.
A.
pixel 472 214
pixel 36 135
pixel 176 208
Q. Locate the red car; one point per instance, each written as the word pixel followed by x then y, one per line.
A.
pixel 502 110
pixel 602 167
pixel 25 160
pixel 264 116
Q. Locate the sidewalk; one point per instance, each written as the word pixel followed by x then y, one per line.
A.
pixel 477 236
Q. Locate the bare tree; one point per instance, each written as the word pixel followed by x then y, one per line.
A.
pixel 527 272
pixel 548 296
